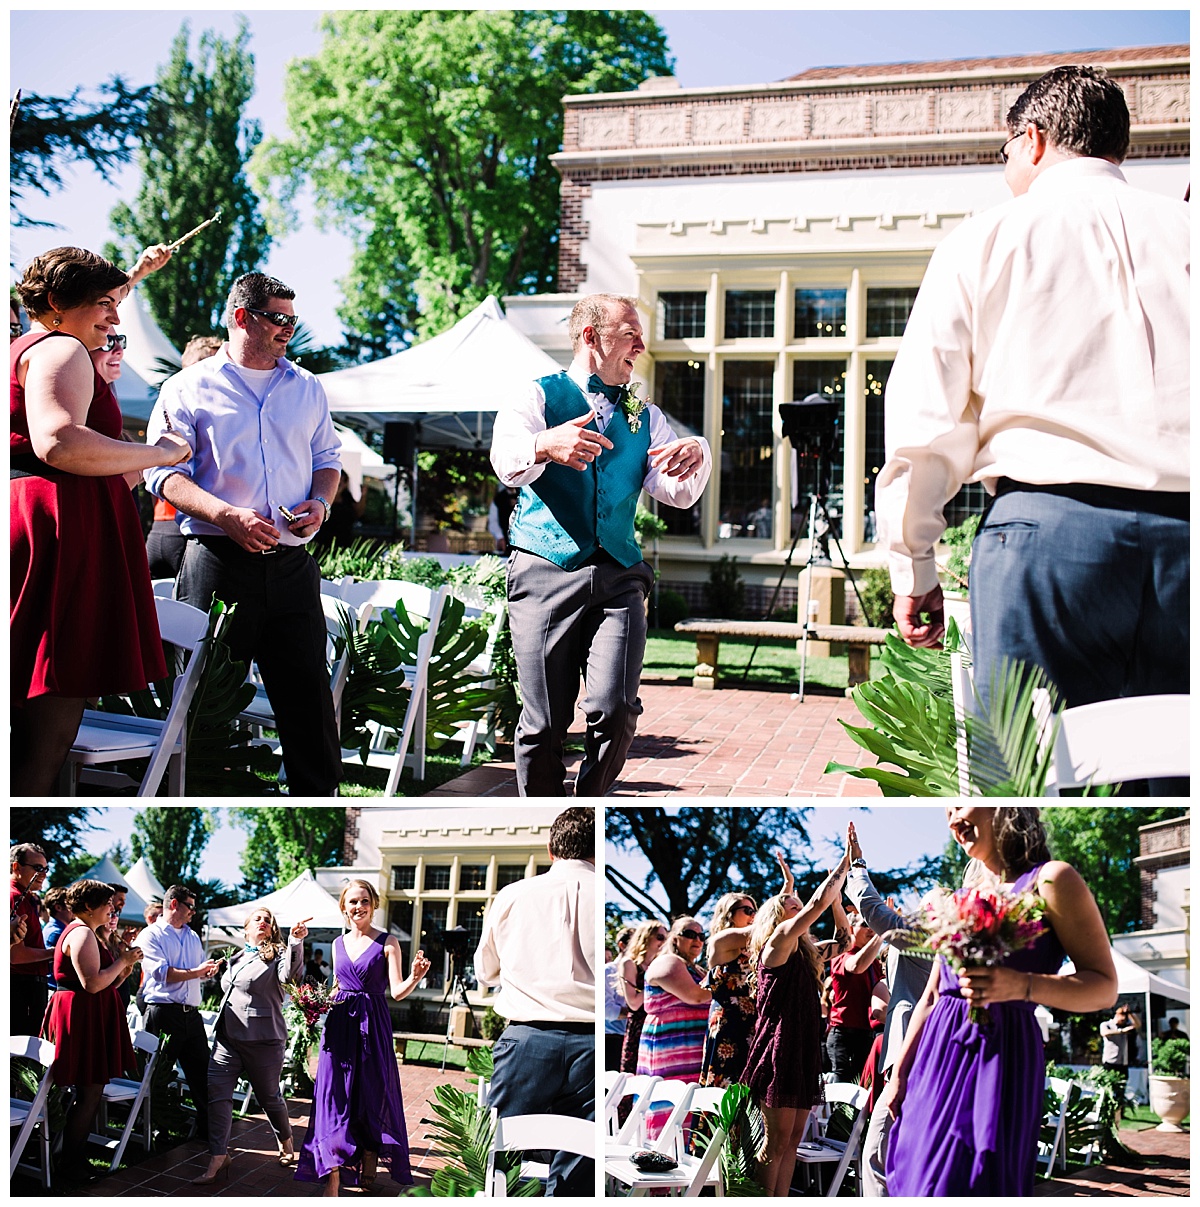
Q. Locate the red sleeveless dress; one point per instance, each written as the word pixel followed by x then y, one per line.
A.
pixel 91 1037
pixel 82 618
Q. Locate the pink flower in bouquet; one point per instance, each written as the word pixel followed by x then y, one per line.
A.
pixel 981 927
pixel 312 1000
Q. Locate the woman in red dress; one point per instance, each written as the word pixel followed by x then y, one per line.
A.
pixel 82 618
pixel 85 1018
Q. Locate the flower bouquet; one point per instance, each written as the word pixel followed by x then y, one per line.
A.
pixel 979 927
pixel 307 1003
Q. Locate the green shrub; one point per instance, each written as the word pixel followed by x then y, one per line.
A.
pixel 958 542
pixel 671 609
pixel 492 1024
pixel 1171 1058
pixel 875 587
pixel 725 593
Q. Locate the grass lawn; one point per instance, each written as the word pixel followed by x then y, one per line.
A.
pixel 776 664
pixel 1140 1118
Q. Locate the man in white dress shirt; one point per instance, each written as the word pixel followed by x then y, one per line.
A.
pixel 539 945
pixel 1047 356
pixel 582 448
pixel 173 965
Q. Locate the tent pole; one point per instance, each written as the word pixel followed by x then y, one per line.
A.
pixel 412 503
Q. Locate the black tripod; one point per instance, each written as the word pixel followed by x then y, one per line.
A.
pixel 456 988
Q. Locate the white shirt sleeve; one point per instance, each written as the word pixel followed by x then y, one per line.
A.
pixel 487 958
pixel 155 962
pixel 514 434
pixel 676 492
pixel 931 423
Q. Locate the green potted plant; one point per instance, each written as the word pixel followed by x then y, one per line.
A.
pixel 1170 1092
pixel 957 570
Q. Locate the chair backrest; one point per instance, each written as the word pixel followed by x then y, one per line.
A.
pixel 643 1087
pixel 144 1041
pixel 376 595
pixel 1136 737
pixel 559 1133
pixel 164 588
pixel 679 1094
pixel 32 1048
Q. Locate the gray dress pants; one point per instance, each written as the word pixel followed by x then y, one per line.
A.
pixel 566 623
pixel 261 1062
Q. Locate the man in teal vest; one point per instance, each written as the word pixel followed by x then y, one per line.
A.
pixel 582 447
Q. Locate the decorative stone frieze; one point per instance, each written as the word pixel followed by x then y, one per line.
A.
pixel 967 110
pixel 775 121
pixel 905 114
pixel 718 123
pixel 604 129
pixel 839 118
pixel 1161 103
pixel 660 127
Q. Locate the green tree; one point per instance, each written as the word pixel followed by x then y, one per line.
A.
pixel 52 132
pixel 173 838
pixel 1101 843
pixel 426 135
pixel 60 832
pixel 193 149
pixel 283 842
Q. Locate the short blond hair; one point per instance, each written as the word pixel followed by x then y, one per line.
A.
pixel 372 892
pixel 596 310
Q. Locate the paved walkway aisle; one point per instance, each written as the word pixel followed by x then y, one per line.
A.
pixel 729 742
pixel 255 1173
pixel 1166 1172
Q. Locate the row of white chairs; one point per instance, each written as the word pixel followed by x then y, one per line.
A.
pixel 695 1173
pixel 26 1117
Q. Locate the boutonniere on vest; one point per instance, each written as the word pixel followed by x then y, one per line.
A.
pixel 633 406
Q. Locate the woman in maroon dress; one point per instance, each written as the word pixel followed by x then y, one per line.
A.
pixel 85 1018
pixel 82 619
pixel 783 1066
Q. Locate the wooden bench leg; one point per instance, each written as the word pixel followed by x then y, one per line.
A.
pixel 401 1046
pixel 859 665
pixel 708 647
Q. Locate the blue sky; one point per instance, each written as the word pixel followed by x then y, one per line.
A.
pixel 51 52
pixel 891 835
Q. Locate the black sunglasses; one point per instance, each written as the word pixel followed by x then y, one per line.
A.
pixel 745 909
pixel 1003 152
pixel 14 331
pixel 116 341
pixel 692 934
pixel 276 316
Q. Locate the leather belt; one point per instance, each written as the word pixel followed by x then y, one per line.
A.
pixel 1173 504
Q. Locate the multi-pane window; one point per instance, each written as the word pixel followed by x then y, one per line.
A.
pixel 437 877
pixel 820 314
pixel 970 500
pixel 404 876
pixel 472 877
pixel 433 926
pixel 749 313
pixel 400 924
pixel 888 311
pixel 681 315
pixel 509 873
pixel 826 379
pixel 679 385
pixel 469 915
pixel 876 384
pixel 747 448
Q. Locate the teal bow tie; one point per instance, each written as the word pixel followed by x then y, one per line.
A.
pixel 253 949
pixel 614 394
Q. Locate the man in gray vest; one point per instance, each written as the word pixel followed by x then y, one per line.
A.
pixel 582 447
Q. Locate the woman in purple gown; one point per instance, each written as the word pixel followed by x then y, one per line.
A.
pixel 969 1097
pixel 357 1114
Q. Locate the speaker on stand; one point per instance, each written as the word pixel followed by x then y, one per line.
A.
pixel 400 450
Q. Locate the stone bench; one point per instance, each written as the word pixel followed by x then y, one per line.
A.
pixel 401 1040
pixel 708 634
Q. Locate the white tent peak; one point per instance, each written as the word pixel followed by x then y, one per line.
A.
pixel 142 879
pixel 302 898
pixel 134 909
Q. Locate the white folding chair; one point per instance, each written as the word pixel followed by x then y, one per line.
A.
pixel 640 1086
pixel 26 1115
pixel 164 588
pixel 480 667
pixel 375 596
pixel 105 737
pixel 1134 738
pixel 841 1154
pixel 1088 1125
pixel 260 715
pixel 614 1091
pixel 1056 1150
pixel 676 1094
pixel 137 1095
pixel 519 1133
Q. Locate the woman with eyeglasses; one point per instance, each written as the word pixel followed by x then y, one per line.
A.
pixel 85 1019
pixel 82 616
pixel 644 945
pixel 730 977
pixel 672 1045
pixel 783 1067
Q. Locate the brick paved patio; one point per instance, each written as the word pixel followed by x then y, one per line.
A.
pixel 729 742
pixel 255 1172
pixel 1165 1173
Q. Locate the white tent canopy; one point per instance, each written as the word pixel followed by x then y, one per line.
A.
pixel 360 460
pixel 141 374
pixel 144 882
pixel 134 910
pixel 1133 978
pixel 451 384
pixel 303 898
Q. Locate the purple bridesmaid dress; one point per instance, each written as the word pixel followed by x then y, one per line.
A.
pixel 972 1110
pixel 356 1103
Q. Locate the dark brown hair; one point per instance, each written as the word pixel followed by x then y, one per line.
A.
pixel 1080 111
pixel 86 895
pixel 573 834
pixel 73 276
pixel 1020 838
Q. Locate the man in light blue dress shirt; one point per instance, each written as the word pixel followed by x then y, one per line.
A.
pixel 265 448
pixel 173 965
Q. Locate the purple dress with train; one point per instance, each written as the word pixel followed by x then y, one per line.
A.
pixel 356 1102
pixel 972 1108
